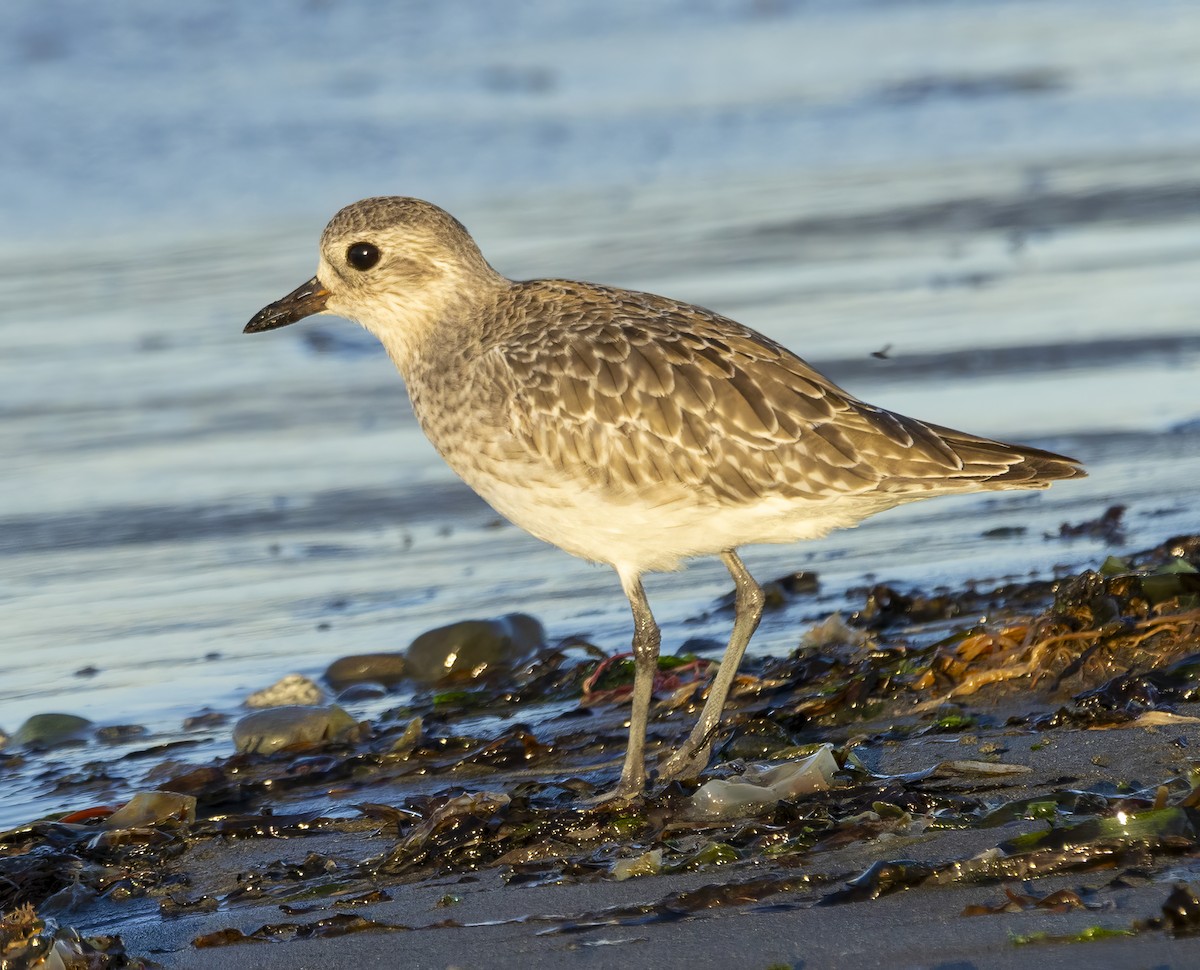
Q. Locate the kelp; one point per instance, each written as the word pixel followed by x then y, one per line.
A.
pixel 428 794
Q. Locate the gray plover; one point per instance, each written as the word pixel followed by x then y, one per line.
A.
pixel 628 428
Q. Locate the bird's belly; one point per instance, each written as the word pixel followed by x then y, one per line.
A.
pixel 652 532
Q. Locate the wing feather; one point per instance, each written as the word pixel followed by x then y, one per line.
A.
pixel 646 393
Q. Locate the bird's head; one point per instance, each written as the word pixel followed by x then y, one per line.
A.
pixel 395 265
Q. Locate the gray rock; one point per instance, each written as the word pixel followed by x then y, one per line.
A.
pixel 118 733
pixel 356 693
pixel 51 730
pixel 282 727
pixel 474 648
pixel 386 669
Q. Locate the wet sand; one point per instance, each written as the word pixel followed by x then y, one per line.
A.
pixel 917 928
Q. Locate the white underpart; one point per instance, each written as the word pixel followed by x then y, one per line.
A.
pixel 637 535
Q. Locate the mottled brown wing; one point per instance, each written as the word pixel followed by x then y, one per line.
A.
pixel 644 392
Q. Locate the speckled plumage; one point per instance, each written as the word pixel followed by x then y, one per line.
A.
pixel 628 428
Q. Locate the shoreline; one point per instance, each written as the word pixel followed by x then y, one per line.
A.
pixel 476 852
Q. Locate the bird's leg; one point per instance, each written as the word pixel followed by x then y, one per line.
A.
pixel 646 639
pixel 692 757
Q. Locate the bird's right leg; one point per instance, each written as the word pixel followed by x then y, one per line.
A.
pixel 646 640
pixel 692 756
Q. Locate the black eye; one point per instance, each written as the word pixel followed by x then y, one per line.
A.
pixel 362 256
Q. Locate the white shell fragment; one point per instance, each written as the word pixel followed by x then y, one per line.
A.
pixel 290 690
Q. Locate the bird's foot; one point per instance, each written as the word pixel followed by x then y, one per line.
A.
pixel 685 764
pixel 628 790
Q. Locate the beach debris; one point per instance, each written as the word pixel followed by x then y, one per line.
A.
pixel 276 728
pixel 408 739
pixel 152 808
pixel 880 879
pixel 611 681
pixel 329 927
pixel 290 690
pixel 472 649
pixel 120 733
pixel 778 592
pixel 649 863
pixel 760 739
pixel 385 669
pixel 831 632
pixel 504 767
pixel 1091 934
pixel 759 787
pixel 1181 910
pixel 462 818
pixel 1057 901
pixel 1004 532
pixel 358 693
pixel 885 607
pixel 1129 827
pixel 1108 527
pixel 43 731
pixel 28 941
pixel 205 720
pixel 1138 616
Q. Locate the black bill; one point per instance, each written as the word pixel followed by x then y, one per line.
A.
pixel 303 301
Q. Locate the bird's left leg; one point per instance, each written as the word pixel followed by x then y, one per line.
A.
pixel 646 640
pixel 692 757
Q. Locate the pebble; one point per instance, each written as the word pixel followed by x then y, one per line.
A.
pixel 282 727
pixel 52 730
pixel 206 719
pixel 471 648
pixel 385 669
pixel 357 693
pixel 117 733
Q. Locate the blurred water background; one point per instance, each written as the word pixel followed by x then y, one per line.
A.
pixel 1001 197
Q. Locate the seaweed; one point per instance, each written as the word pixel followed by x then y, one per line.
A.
pixel 935 710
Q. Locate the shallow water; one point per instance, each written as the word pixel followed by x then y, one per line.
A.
pixel 1025 245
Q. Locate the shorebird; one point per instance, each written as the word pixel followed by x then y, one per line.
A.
pixel 628 428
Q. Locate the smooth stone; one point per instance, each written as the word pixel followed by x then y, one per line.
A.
pixel 116 733
pixel 150 808
pixel 282 727
pixel 356 693
pixel 290 690
pixel 386 669
pixel 472 648
pixel 51 730
pixel 208 719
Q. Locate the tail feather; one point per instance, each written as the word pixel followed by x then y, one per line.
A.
pixel 998 464
pixel 942 460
